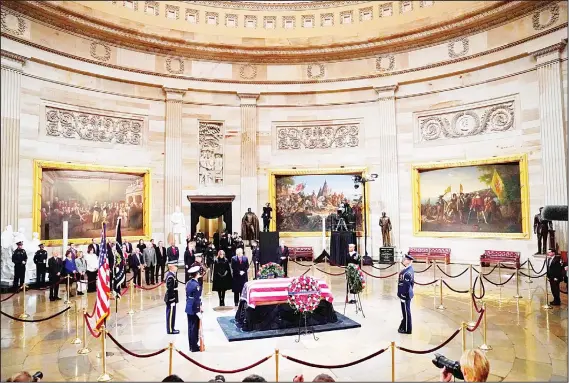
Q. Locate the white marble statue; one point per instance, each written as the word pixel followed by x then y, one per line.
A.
pixel 178 226
pixel 7 267
pixel 31 247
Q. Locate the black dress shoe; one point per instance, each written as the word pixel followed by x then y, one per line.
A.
pixel 174 332
pixel 555 303
pixel 403 332
pixel 57 298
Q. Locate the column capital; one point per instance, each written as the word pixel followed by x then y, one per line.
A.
pixel 174 94
pixel 248 98
pixel 12 60
pixel 386 92
pixel 550 52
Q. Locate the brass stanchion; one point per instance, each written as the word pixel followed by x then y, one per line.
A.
pixel 470 272
pixel 276 365
pixel 546 306
pixel 463 327
pixel 77 340
pixel 67 301
pixel 500 274
pixel 104 377
pixel 435 271
pixel 529 273
pixel 518 296
pixel 131 298
pixel 84 350
pixel 441 307
pixel 485 346
pixel 393 361
pixel 24 315
pixel 171 357
pixel 470 292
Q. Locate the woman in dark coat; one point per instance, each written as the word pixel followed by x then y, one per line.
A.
pixel 239 268
pixel 222 280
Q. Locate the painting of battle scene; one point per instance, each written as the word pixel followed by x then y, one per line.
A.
pixel 302 201
pixel 483 198
pixel 86 199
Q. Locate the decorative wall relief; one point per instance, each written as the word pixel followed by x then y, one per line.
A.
pixel 12 23
pixel 192 16
pixel 552 10
pixel 315 71
pixel 174 65
pixel 248 71
pixel 455 50
pixel 329 135
pixel 100 51
pixel 470 120
pixel 210 138
pixel 93 126
pixel 385 63
pixel 172 12
pixel 152 7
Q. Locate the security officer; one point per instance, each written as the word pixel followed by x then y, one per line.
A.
pixel 405 293
pixel 193 307
pixel 19 257
pixel 171 297
pixel 40 259
pixel 255 256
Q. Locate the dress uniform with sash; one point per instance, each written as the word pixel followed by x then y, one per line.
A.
pixel 193 308
pixel 20 258
pixel 405 294
pixel 40 259
pixel 171 299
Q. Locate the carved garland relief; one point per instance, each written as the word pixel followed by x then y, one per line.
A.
pixel 93 127
pixel 553 11
pixel 248 71
pixel 385 63
pixel 318 137
pixel 101 54
pixel 454 49
pixel 210 138
pixel 470 121
pixel 12 23
pixel 315 71
pixel 175 62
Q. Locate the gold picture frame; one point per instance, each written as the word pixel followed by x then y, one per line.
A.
pixel 524 197
pixel 40 165
pixel 307 172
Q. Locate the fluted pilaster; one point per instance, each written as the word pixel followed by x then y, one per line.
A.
pixel 173 155
pixel 10 138
pixel 553 144
pixel 388 179
pixel 249 152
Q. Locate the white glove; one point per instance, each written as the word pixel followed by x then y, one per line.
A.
pixel 173 304
pixel 24 262
pixel 241 272
pixel 199 315
pixel 283 257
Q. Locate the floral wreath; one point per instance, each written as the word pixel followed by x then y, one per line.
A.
pixel 356 279
pixel 304 294
pixel 270 270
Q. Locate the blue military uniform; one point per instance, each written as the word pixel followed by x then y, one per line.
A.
pixel 171 299
pixel 405 294
pixel 193 307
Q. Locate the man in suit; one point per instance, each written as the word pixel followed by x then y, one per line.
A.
pixel 405 293
pixel 282 254
pixel 54 267
pixel 555 274
pixel 172 253
pixel 160 261
pixel 541 228
pixel 189 258
pixel 255 256
pixel 40 259
pixel 149 264
pixel 171 298
pixel 95 246
pixel 193 308
pixel 137 263
pixel 239 267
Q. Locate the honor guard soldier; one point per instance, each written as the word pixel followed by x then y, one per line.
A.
pixel 405 293
pixel 171 297
pixel 193 307
pixel 40 259
pixel 19 257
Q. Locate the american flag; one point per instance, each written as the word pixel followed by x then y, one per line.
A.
pixel 103 309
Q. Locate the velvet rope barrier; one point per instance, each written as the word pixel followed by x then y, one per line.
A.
pixel 298 263
pixel 9 296
pixel 432 349
pixel 36 320
pixel 491 271
pixel 95 335
pixel 150 288
pixel 522 264
pixel 499 284
pixel 330 366
pixel 533 277
pixel 473 328
pixel 133 353
pixel 333 274
pixel 210 369
pixel 307 270
pixel 383 268
pixel 379 276
pixel 451 276
pixel 93 312
pixel 474 303
pixel 483 288
pixel 426 284
pixel 542 267
pixel 456 291
pixel 422 271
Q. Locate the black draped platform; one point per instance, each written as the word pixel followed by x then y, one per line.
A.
pixel 339 246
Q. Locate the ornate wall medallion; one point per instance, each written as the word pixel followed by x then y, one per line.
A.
pixel 12 23
pixel 175 65
pixel 552 10
pixel 455 50
pixel 100 51
pixel 315 71
pixel 385 63
pixel 248 71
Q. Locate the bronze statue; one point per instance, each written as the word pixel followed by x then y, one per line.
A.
pixel 385 224
pixel 541 227
pixel 250 226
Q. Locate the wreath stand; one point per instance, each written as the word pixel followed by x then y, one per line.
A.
pixel 307 329
pixel 358 301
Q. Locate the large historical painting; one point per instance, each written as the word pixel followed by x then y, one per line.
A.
pixel 303 200
pixel 486 198
pixel 87 198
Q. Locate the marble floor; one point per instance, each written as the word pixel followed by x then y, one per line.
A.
pixel 529 343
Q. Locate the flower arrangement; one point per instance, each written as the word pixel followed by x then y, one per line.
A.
pixel 270 270
pixel 304 294
pixel 356 279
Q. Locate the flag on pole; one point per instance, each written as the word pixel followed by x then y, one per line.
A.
pixel 447 190
pixel 119 271
pixel 103 308
pixel 497 185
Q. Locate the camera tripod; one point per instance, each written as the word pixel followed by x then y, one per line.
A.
pixel 341 224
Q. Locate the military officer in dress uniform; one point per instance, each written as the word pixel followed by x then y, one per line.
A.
pixel 40 259
pixel 255 257
pixel 19 257
pixel 405 293
pixel 193 307
pixel 171 297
